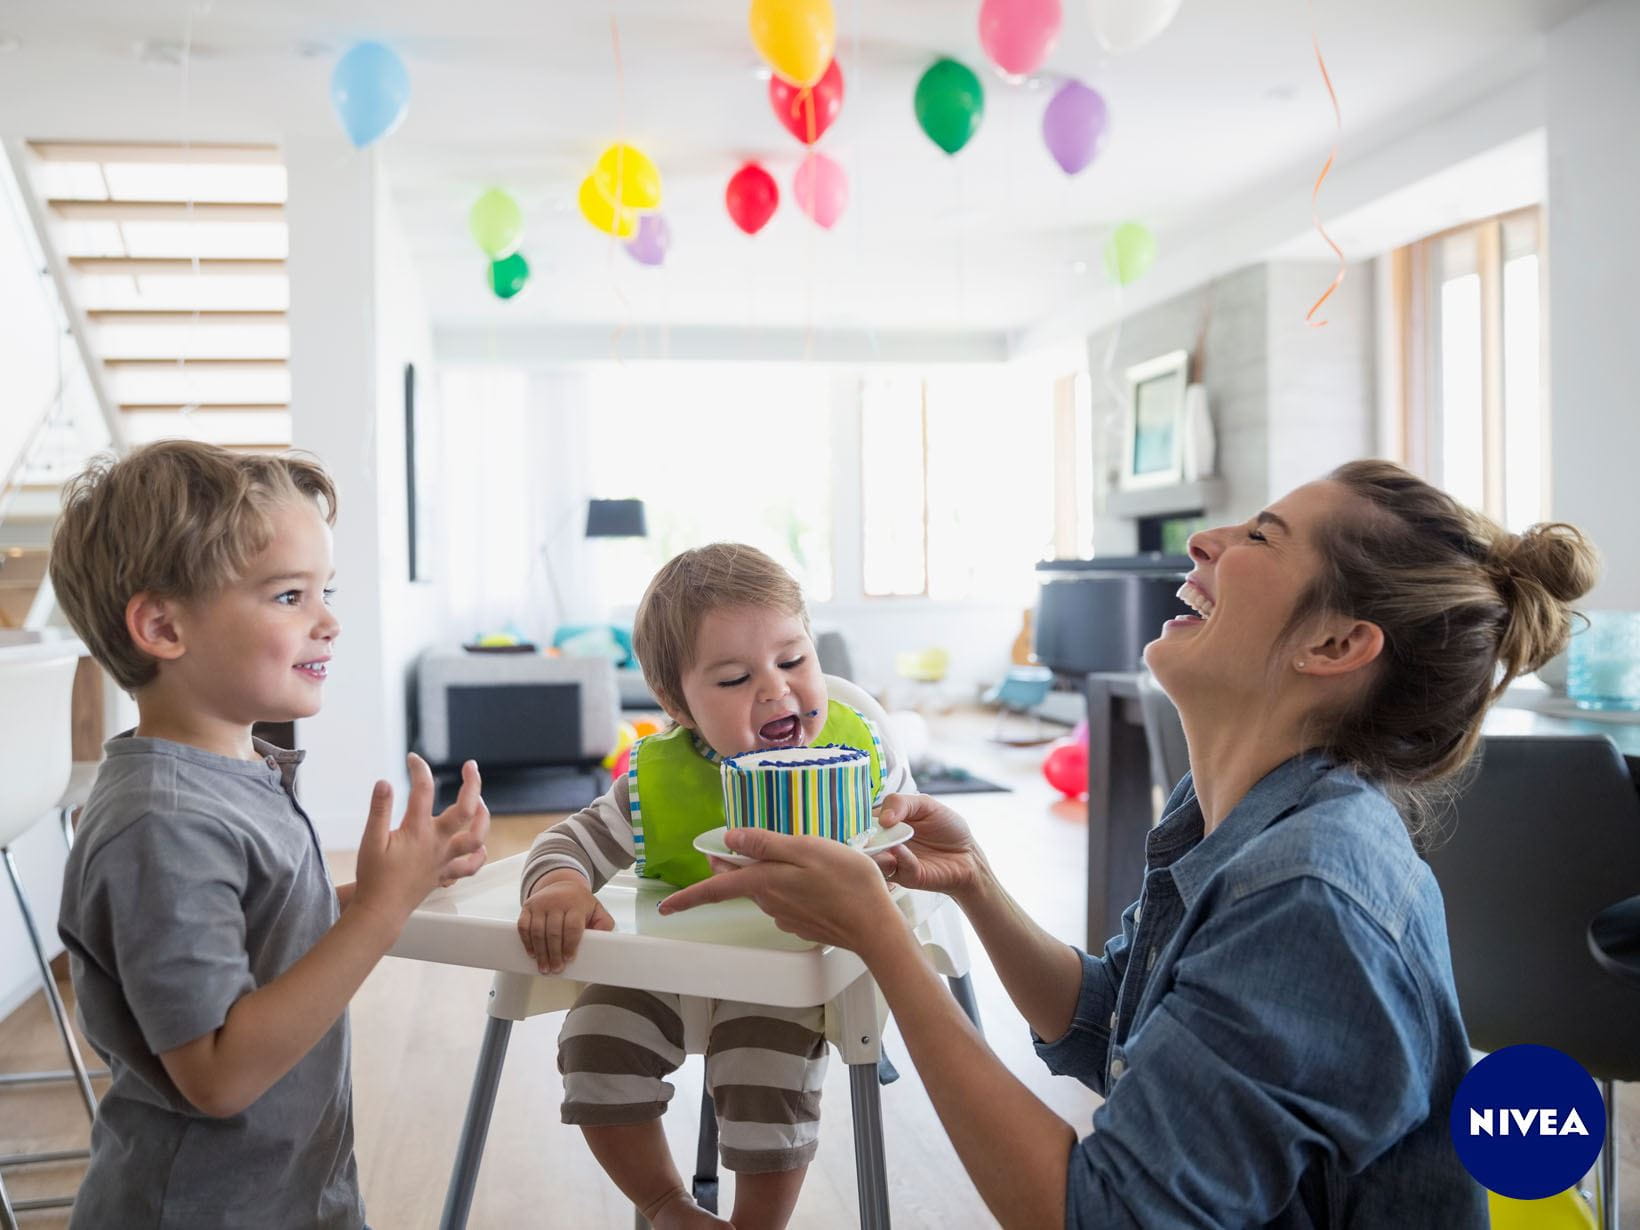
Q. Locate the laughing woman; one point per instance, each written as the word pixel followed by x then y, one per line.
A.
pixel 1275 1030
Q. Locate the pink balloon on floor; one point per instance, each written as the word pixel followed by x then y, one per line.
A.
pixel 821 189
pixel 1066 769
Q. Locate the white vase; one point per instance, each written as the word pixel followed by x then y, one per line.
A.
pixel 1200 446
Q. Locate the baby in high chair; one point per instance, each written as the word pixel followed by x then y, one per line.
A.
pixel 723 638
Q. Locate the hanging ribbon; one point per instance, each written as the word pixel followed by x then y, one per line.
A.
pixel 1315 192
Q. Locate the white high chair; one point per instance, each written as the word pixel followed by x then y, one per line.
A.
pixel 35 760
pixel 474 923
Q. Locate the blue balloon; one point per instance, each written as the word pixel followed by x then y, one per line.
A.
pixel 371 92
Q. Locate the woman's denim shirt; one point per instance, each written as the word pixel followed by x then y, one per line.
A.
pixel 1275 1030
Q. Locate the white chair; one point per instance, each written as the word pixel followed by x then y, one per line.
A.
pixel 730 950
pixel 35 764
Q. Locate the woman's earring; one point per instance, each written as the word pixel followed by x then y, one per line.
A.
pixel 1299 664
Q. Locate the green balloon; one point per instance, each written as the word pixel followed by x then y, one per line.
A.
pixel 1129 253
pixel 950 104
pixel 497 223
pixel 508 275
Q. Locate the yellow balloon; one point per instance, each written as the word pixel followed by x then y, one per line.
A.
pixel 597 209
pixel 627 177
pixel 796 37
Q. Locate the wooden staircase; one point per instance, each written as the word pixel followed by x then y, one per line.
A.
pixel 176 259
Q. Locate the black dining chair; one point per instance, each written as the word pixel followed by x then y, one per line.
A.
pixel 1543 836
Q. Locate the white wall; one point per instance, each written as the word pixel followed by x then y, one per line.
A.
pixel 356 318
pixel 1593 95
pixel 29 339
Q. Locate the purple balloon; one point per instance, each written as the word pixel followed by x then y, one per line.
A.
pixel 654 237
pixel 1074 126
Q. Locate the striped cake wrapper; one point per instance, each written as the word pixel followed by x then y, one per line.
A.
pixel 832 800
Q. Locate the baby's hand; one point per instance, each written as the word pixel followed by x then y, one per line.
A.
pixel 554 917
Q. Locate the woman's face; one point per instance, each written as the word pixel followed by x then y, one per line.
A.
pixel 1246 581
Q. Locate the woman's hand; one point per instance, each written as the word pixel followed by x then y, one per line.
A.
pixel 941 857
pixel 812 887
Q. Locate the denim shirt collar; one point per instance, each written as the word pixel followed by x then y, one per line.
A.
pixel 1178 844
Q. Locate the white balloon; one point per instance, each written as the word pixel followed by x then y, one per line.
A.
pixel 1125 25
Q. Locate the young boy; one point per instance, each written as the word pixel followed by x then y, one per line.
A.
pixel 723 639
pixel 212 957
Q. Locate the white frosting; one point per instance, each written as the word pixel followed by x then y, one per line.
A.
pixel 787 758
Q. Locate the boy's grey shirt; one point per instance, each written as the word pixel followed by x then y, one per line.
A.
pixel 194 880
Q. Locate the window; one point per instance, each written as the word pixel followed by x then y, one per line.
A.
pixel 736 452
pixel 1474 412
pixel 958 482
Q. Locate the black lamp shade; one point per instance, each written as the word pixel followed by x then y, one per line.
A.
pixel 616 519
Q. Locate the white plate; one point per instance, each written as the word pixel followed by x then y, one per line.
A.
pixel 710 843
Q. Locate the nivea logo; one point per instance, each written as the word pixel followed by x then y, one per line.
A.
pixel 1539 1120
pixel 1527 1122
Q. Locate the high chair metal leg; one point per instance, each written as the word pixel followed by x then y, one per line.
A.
pixel 705 1187
pixel 8 1219
pixel 458 1201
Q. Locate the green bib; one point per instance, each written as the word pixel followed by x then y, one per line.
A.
pixel 677 794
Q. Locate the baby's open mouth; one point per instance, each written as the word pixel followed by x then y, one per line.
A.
pixel 781 730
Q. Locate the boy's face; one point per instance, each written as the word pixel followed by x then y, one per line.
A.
pixel 755 682
pixel 257 650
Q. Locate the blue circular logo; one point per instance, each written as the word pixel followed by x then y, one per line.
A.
pixel 1528 1122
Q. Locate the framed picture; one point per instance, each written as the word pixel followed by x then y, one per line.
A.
pixel 420 449
pixel 1153 442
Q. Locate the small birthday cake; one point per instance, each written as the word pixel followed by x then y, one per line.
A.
pixel 806 791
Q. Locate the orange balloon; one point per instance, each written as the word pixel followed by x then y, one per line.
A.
pixel 645 727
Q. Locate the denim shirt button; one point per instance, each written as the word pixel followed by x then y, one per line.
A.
pixel 1113 1019
pixel 1117 1067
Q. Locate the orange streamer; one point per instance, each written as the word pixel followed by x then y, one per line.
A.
pixel 1315 192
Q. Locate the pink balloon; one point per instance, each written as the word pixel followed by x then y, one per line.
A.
pixel 821 189
pixel 1066 768
pixel 1079 732
pixel 1018 34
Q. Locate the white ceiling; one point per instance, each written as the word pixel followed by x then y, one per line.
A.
pixel 524 95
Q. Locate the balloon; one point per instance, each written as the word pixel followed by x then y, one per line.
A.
pixel 821 189
pixel 950 104
pixel 751 197
pixel 1079 732
pixel 496 223
pixel 808 111
pixel 1074 126
pixel 370 90
pixel 1129 253
pixel 596 209
pixel 649 245
pixel 1066 769
pixel 796 37
pixel 508 275
pixel 627 178
pixel 620 763
pixel 645 727
pixel 1125 25
pixel 1018 34
pixel 625 735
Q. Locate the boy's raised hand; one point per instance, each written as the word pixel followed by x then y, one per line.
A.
pixel 465 823
pixel 555 916
pixel 398 867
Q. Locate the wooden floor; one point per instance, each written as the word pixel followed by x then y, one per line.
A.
pixel 416 1031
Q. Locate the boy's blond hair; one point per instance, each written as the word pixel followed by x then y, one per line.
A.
pixel 685 590
pixel 178 519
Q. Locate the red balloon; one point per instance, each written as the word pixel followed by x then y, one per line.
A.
pixel 1066 769
pixel 623 762
pixel 808 111
pixel 751 198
